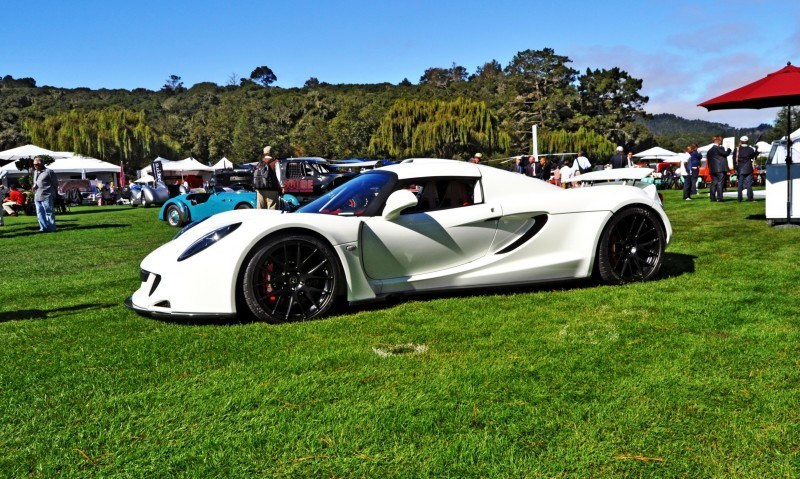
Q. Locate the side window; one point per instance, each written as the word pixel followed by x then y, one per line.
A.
pixel 435 194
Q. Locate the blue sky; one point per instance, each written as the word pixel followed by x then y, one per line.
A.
pixel 685 51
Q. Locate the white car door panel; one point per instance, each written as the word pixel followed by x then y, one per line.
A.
pixel 419 243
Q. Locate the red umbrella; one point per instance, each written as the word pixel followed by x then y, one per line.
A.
pixel 780 88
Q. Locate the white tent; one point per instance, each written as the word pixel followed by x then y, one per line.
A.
pixel 187 165
pixel 145 179
pixel 655 153
pixel 184 166
pixel 222 164
pixel 83 165
pixel 29 151
pixel 763 147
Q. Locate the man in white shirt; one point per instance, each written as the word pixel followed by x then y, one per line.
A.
pixel 582 164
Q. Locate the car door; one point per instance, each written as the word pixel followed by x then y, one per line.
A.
pixel 423 242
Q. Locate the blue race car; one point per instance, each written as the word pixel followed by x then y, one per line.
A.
pixel 190 207
pixel 184 209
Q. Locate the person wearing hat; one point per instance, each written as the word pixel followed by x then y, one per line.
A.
pixel 619 160
pixel 743 159
pixel 266 181
pixel 477 158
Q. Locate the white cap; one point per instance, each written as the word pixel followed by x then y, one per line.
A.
pixel 744 139
pixel 619 148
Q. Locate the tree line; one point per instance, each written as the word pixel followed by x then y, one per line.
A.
pixel 449 113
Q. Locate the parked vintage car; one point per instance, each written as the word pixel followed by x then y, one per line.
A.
pixel 421 225
pixel 310 177
pixel 199 205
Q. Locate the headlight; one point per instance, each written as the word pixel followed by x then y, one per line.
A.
pixel 189 226
pixel 208 240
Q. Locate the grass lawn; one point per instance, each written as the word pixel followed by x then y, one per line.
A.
pixel 694 374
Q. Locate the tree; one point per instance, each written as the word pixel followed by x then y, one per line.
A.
pixel 443 129
pixel 781 120
pixel 312 82
pixel 263 75
pixel 113 134
pixel 443 77
pixel 593 144
pixel 608 101
pixel 173 85
pixel 544 91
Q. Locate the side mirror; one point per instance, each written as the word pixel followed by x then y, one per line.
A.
pixel 397 202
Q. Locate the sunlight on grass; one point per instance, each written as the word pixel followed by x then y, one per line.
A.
pixel 694 374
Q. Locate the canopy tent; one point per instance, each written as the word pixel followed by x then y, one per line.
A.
pixel 75 165
pixel 222 164
pixel 30 151
pixel 145 179
pixel 185 166
pixel 83 165
pixel 655 153
pixel 763 147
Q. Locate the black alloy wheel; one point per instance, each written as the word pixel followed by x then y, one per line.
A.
pixel 631 247
pixel 291 278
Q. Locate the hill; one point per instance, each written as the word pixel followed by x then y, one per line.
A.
pixel 674 133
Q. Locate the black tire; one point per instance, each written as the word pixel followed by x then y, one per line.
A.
pixel 244 206
pixel 173 217
pixel 291 278
pixel 631 247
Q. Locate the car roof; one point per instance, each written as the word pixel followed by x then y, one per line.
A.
pixel 423 167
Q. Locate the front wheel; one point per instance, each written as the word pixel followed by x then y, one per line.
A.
pixel 631 247
pixel 244 206
pixel 291 278
pixel 173 216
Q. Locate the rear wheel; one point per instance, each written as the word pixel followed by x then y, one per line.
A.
pixel 244 206
pixel 291 278
pixel 631 247
pixel 173 216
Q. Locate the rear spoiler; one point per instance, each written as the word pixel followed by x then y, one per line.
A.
pixel 615 174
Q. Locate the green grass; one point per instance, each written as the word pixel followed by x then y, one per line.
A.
pixel 692 375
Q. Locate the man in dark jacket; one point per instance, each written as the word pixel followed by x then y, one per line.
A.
pixel 619 160
pixel 544 169
pixel 743 164
pixel 717 158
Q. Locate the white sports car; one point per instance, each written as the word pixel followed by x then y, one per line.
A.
pixel 421 225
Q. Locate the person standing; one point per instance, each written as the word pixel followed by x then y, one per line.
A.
pixel 619 160
pixel 544 169
pixel 696 158
pixel 629 160
pixel 566 175
pixel 45 187
pixel 531 169
pixel 743 165
pixel 581 164
pixel 477 158
pixel 717 158
pixel 519 167
pixel 266 182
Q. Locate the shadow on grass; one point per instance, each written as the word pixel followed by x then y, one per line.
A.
pixel 34 230
pixel 23 314
pixel 757 217
pixel 101 209
pixel 675 264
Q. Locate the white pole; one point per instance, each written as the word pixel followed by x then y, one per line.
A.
pixel 534 130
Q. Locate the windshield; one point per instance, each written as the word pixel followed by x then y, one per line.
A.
pixel 357 197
